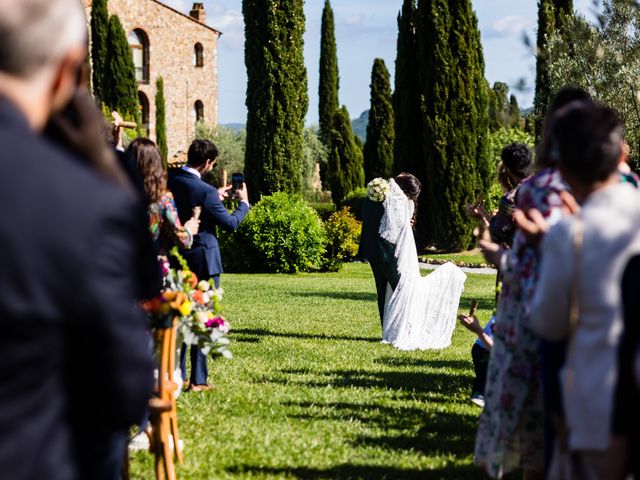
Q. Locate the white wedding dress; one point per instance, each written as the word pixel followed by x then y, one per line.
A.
pixel 421 312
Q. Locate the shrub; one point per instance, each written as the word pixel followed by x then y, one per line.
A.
pixel 324 210
pixel 281 234
pixel 355 200
pixel 343 237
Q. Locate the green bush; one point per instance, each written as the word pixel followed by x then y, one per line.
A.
pixel 324 210
pixel 343 238
pixel 281 234
pixel 355 201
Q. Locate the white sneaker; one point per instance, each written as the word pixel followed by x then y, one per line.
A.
pixel 139 443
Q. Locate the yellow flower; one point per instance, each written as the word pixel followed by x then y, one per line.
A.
pixel 185 309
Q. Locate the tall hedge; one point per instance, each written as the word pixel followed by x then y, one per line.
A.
pixel 378 149
pixel 161 121
pixel 121 88
pixel 455 114
pixel 99 33
pixel 552 17
pixel 407 150
pixel 277 98
pixel 345 170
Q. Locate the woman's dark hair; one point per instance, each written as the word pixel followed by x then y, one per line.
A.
pixel 410 185
pixel 516 157
pixel 200 151
pixel 566 95
pixel 148 159
pixel 588 138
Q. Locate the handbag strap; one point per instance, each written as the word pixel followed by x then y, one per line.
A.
pixel 574 305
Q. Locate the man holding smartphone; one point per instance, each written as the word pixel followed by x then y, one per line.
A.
pixel 190 191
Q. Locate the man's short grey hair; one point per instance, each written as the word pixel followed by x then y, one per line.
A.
pixel 36 33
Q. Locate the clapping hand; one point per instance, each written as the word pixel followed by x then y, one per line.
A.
pixel 471 323
pixel 492 251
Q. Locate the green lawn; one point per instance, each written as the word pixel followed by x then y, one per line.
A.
pixel 313 394
pixel 469 257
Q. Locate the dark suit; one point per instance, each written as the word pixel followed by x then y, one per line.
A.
pixel 204 260
pixel 378 252
pixel 74 363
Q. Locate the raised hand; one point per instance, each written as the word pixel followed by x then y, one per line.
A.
pixel 532 224
pixel 224 192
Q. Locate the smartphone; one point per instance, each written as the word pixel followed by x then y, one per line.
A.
pixel 237 180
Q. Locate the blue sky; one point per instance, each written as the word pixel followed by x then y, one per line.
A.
pixel 366 29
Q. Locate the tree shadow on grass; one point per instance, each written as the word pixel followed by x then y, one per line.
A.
pixel 355 296
pixel 365 472
pixel 254 335
pixel 420 362
pixel 411 381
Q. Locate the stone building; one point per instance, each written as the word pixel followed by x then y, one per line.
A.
pixel 182 50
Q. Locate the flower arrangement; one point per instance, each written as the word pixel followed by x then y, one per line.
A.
pixel 197 305
pixel 377 189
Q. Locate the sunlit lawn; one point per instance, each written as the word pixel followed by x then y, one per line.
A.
pixel 312 393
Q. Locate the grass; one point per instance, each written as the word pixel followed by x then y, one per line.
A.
pixel 469 257
pixel 313 394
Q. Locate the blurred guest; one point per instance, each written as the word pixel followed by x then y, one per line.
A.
pixel 190 191
pixel 165 226
pixel 74 369
pixel 580 276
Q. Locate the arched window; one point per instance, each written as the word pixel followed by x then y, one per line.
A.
pixel 198 108
pixel 198 55
pixel 139 43
pixel 143 103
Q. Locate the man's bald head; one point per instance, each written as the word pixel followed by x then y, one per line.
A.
pixel 35 34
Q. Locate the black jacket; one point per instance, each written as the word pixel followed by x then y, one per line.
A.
pixel 74 359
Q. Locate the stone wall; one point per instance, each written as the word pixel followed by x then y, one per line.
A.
pixel 172 38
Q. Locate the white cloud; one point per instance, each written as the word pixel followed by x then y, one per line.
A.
pixel 511 25
pixel 230 22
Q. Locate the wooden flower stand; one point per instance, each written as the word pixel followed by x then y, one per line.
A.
pixel 162 407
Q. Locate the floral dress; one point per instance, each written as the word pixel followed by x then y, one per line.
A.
pixel 166 229
pixel 511 429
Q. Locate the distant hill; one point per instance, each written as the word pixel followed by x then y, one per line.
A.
pixel 359 125
pixel 236 127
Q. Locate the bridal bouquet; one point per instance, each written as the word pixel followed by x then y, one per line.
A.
pixel 377 189
pixel 197 305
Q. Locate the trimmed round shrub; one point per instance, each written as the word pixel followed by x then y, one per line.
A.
pixel 355 201
pixel 325 210
pixel 343 238
pixel 281 234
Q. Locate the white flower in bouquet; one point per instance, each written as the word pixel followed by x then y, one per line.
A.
pixel 203 285
pixel 377 189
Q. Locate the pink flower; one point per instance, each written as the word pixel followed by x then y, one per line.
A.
pixel 215 323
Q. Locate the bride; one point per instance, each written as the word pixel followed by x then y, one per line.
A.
pixel 417 312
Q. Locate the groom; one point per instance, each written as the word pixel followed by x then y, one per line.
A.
pixel 203 258
pixel 377 251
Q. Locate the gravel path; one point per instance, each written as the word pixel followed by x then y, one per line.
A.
pixel 480 271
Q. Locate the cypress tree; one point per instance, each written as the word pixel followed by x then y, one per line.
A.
pixel 345 170
pixel 161 121
pixel 407 150
pixel 277 97
pixel 455 115
pixel 99 33
pixel 553 16
pixel 514 112
pixel 378 150
pixel 121 88
pixel 329 83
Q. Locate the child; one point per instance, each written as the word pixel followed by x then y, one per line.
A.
pixel 479 353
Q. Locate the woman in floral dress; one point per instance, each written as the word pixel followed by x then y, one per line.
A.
pixel 165 226
pixel 511 431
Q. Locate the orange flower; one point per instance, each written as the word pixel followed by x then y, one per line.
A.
pixel 193 280
pixel 180 298
pixel 198 297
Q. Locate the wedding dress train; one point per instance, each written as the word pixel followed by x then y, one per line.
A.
pixel 421 312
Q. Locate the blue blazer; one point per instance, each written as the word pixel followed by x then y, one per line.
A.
pixel 189 191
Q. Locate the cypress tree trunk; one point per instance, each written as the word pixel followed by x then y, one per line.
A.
pixel 161 121
pixel 277 97
pixel 553 16
pixel 99 33
pixel 121 88
pixel 345 170
pixel 455 110
pixel 329 83
pixel 378 150
pixel 407 150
